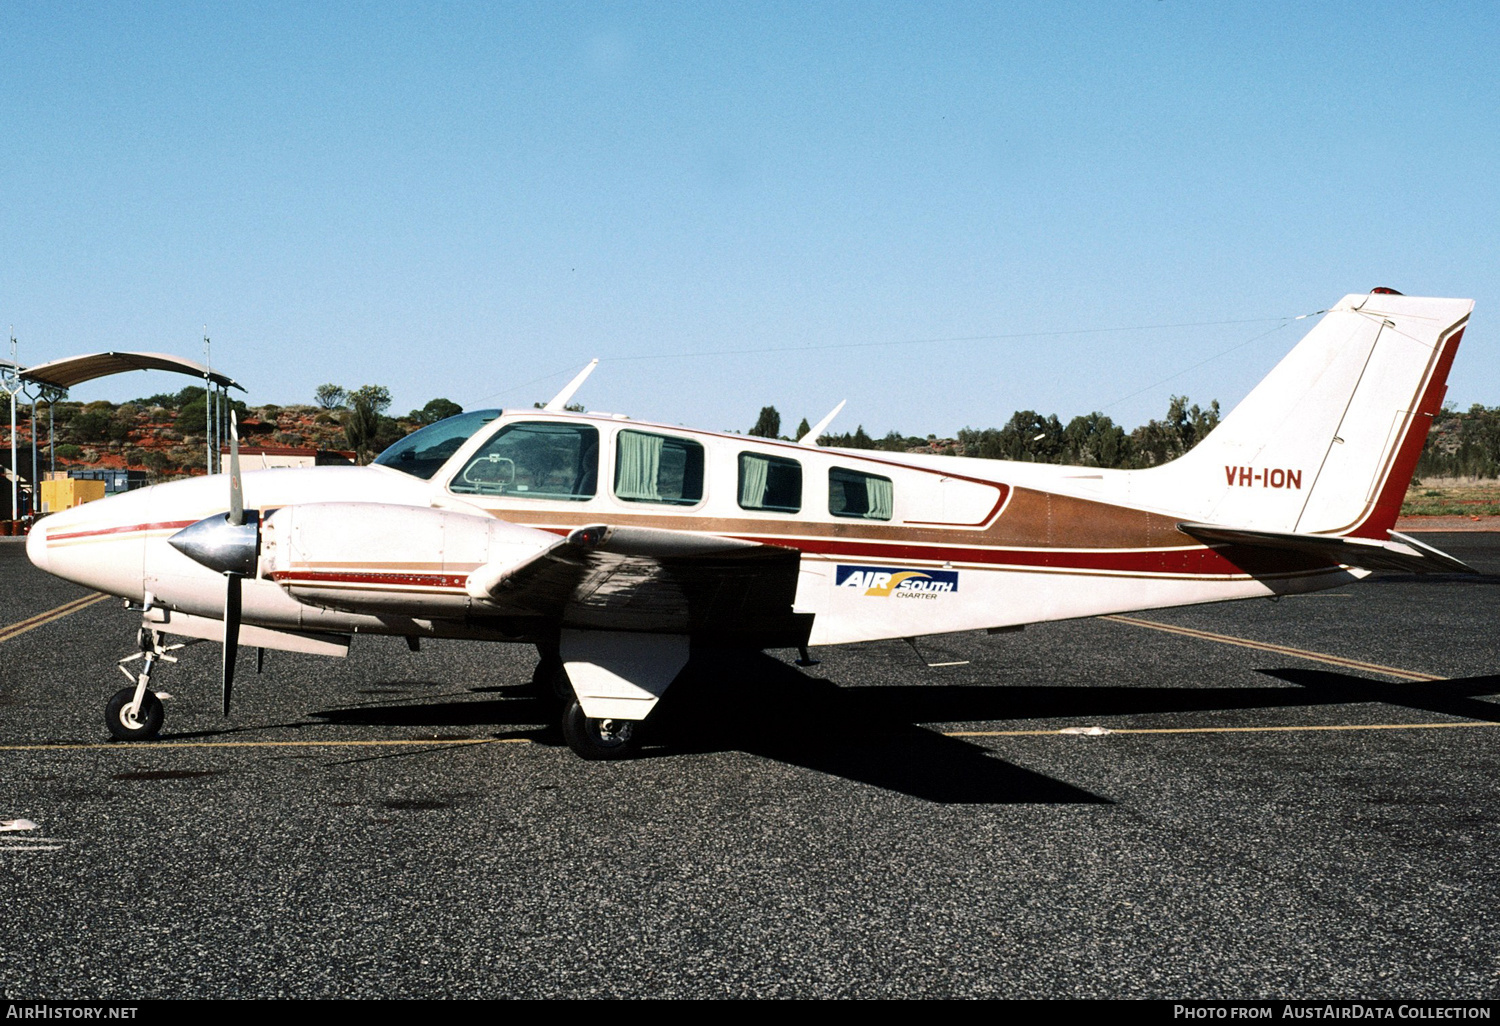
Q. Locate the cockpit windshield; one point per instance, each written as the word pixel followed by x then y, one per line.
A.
pixel 421 453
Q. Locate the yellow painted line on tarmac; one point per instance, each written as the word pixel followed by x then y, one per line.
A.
pixel 1223 730
pixel 67 608
pixel 140 749
pixel 1264 646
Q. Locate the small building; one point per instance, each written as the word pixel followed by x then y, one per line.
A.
pixel 268 457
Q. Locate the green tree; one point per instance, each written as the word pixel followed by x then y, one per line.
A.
pixel 1093 440
pixel 363 422
pixel 1463 444
pixel 89 426
pixel 377 396
pixel 858 440
pixel 436 410
pixel 331 396
pixel 193 415
pixel 1027 436
pixel 768 424
pixel 1161 441
pixel 803 428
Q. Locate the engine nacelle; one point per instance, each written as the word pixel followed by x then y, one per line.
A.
pixel 364 557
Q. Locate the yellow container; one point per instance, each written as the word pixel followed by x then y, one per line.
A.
pixel 60 495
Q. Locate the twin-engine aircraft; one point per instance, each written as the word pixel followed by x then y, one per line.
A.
pixel 616 547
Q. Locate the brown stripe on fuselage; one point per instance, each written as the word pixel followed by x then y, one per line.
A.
pixel 1031 519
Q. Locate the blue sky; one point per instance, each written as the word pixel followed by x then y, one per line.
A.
pixel 473 200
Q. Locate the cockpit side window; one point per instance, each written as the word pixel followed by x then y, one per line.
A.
pixel 854 494
pixel 423 453
pixel 535 461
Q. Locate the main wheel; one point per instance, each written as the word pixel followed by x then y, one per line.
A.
pixel 550 679
pixel 146 722
pixel 599 738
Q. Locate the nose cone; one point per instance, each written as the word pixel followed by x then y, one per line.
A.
pixel 36 545
pixel 98 545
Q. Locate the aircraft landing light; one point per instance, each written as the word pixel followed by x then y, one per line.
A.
pixel 1263 646
pixel 67 608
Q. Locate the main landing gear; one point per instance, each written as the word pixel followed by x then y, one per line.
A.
pixel 599 739
pixel 590 738
pixel 135 713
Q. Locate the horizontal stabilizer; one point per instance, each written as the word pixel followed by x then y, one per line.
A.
pixel 1401 553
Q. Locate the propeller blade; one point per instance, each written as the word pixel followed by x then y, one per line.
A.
pixel 236 491
pixel 260 660
pixel 231 632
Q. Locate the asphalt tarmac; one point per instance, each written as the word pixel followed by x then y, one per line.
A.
pixel 1255 823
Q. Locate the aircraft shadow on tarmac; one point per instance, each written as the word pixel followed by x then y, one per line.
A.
pixel 1454 697
pixel 761 706
pixel 1482 578
pixel 764 707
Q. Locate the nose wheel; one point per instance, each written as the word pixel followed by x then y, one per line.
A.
pixel 129 720
pixel 599 738
pixel 135 713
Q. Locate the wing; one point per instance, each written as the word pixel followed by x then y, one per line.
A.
pixel 716 589
pixel 1401 552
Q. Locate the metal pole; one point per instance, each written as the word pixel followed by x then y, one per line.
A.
pixel 208 403
pixel 15 481
pixel 36 490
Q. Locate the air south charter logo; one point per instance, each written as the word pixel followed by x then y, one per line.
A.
pixel 888 581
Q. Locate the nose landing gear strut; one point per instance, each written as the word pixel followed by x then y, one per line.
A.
pixel 135 713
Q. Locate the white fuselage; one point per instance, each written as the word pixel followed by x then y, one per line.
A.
pixel 934 544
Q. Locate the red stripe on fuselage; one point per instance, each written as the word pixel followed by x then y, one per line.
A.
pixel 1221 561
pixel 1206 562
pixel 370 577
pixel 164 526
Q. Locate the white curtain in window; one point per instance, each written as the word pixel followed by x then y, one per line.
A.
pixel 639 466
pixel 753 474
pixel 882 499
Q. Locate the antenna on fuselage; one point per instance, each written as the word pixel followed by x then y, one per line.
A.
pixel 811 438
pixel 560 400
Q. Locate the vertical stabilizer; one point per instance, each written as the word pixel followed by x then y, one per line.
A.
pixel 1327 443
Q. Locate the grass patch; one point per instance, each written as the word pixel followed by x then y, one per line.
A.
pixel 1452 497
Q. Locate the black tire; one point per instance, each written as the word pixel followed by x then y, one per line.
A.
pixel 596 739
pixel 147 723
pixel 550 679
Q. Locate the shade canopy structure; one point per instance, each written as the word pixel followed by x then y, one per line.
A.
pixel 74 370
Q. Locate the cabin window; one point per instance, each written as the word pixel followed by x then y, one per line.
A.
pixel 535 461
pixel 770 483
pixel 658 468
pixel 423 453
pixel 853 494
